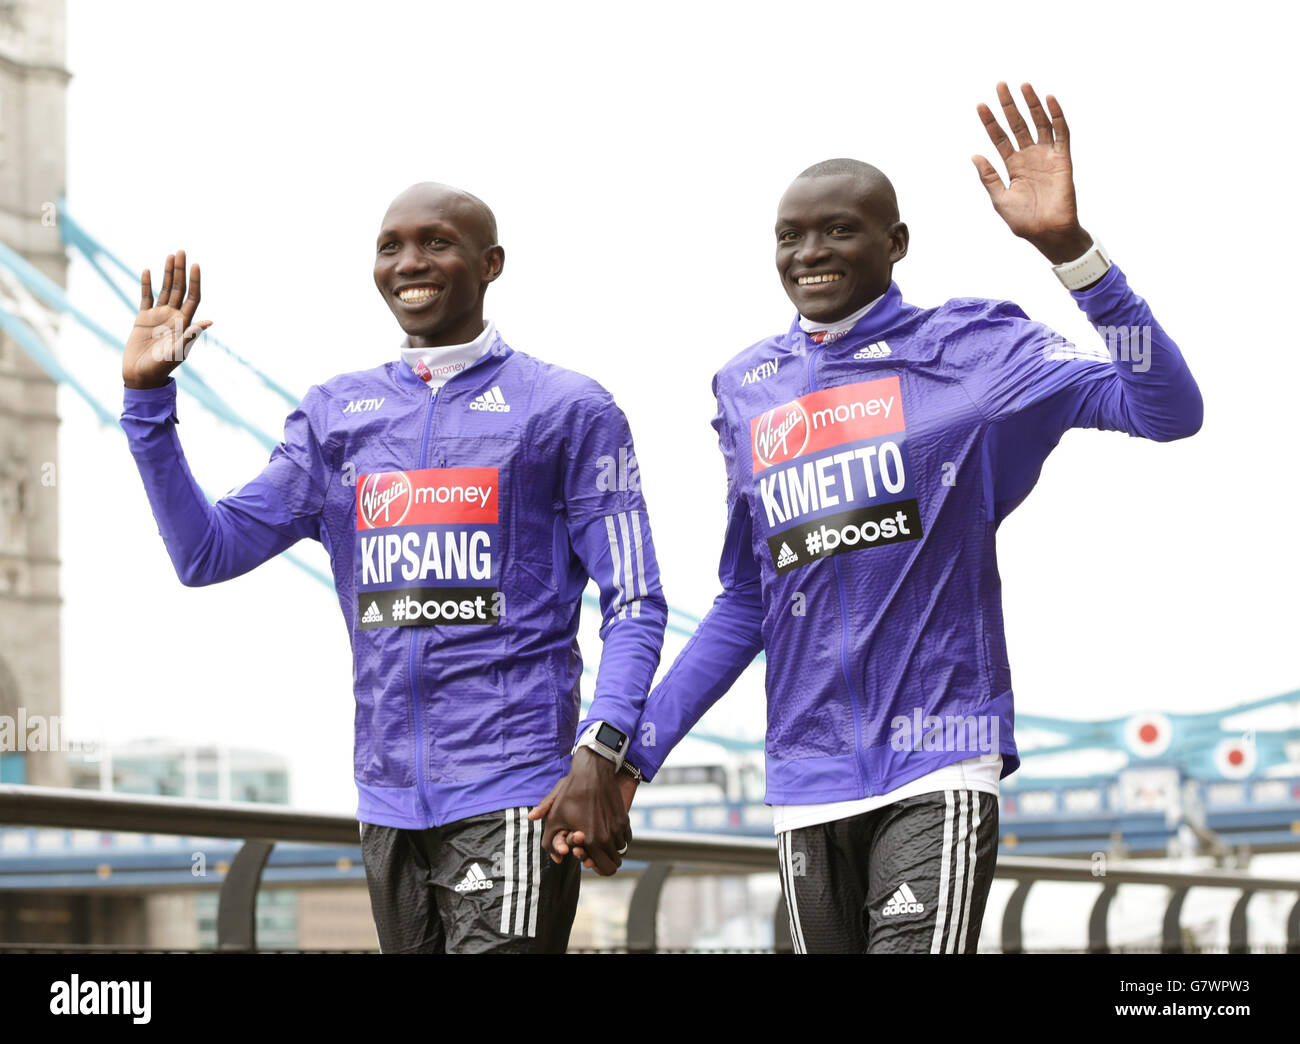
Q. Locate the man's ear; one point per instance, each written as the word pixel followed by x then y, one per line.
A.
pixel 898 242
pixel 494 260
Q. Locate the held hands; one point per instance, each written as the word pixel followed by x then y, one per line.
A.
pixel 575 840
pixel 586 814
pixel 1038 203
pixel 164 332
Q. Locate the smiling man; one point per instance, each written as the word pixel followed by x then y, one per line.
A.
pixel 465 492
pixel 872 451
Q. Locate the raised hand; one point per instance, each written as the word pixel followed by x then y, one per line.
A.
pixel 1038 201
pixel 164 332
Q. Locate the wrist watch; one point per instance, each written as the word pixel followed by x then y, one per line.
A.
pixel 604 739
pixel 1076 274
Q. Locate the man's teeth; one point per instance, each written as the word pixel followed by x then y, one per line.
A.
pixel 812 280
pixel 418 294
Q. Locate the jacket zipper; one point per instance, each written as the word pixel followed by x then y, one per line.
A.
pixel 844 616
pixel 416 702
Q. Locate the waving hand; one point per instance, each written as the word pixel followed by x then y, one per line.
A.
pixel 164 331
pixel 1037 202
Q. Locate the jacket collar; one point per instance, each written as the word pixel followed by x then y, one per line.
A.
pixel 885 314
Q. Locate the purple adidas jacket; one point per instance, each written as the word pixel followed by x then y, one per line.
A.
pixel 462 528
pixel 866 478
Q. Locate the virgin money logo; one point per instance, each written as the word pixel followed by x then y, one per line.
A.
pixel 780 434
pixel 384 499
pixel 822 420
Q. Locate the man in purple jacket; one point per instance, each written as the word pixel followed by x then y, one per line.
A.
pixel 872 450
pixel 465 493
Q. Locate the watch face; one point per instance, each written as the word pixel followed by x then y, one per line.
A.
pixel 610 736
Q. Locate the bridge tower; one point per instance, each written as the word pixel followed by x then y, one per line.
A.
pixel 33 91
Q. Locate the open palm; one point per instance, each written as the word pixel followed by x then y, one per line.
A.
pixel 163 332
pixel 1037 202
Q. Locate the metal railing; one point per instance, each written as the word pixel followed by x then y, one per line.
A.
pixel 260 827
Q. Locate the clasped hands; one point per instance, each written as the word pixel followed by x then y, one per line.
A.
pixel 586 814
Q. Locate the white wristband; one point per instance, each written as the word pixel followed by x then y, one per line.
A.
pixel 1076 274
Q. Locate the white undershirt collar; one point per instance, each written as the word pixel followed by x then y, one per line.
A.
pixel 832 331
pixel 435 366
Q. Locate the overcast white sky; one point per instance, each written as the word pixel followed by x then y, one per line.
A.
pixel 634 155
